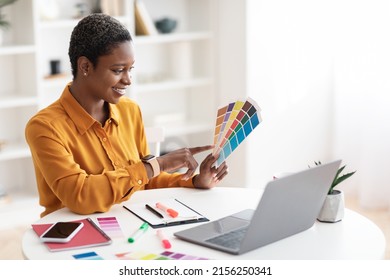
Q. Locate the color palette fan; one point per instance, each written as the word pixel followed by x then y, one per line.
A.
pixel 234 123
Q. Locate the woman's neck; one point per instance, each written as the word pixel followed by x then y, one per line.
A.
pixel 98 109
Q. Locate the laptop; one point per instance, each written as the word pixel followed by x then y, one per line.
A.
pixel 289 205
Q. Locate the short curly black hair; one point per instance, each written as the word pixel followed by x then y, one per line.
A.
pixel 95 35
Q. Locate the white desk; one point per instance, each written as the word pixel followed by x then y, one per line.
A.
pixel 355 237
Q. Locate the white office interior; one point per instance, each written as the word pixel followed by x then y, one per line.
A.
pixel 320 72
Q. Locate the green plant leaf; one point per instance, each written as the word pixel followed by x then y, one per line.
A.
pixel 337 178
pixel 4 3
pixel 3 23
pixel 343 177
pixel 334 183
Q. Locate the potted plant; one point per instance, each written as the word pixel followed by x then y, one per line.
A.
pixel 4 24
pixel 333 208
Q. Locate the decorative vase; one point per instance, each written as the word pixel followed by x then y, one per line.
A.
pixel 333 208
pixel 166 25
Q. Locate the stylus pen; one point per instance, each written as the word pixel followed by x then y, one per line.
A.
pixel 142 229
pixel 151 209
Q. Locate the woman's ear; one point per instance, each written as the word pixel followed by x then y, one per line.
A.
pixel 84 65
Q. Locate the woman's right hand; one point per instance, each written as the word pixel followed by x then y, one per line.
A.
pixel 182 158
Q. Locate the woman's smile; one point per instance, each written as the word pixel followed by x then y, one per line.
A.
pixel 121 91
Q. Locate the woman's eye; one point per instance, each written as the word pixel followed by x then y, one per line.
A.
pixel 117 71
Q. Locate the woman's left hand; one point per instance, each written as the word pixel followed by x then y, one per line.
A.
pixel 209 176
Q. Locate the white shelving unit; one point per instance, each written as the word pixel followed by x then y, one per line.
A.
pixel 18 102
pixel 174 80
pixel 18 95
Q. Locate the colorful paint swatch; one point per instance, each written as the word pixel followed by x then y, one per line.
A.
pixel 180 256
pixel 88 256
pixel 110 226
pixel 234 123
pixel 166 255
pixel 229 119
pixel 223 114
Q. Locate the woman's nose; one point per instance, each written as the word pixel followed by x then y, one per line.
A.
pixel 127 78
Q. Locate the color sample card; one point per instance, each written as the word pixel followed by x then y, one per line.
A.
pixel 180 256
pixel 166 255
pixel 88 256
pixel 234 123
pixel 110 226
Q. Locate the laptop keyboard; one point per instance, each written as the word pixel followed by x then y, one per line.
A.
pixel 230 240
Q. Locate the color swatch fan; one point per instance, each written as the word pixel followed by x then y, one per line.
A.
pixel 234 123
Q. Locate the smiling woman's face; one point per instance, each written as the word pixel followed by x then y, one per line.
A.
pixel 112 75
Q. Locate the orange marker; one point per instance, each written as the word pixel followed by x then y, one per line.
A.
pixel 167 210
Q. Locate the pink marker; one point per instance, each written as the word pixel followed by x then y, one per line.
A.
pixel 170 211
pixel 164 240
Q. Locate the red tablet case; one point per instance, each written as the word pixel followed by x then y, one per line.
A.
pixel 89 236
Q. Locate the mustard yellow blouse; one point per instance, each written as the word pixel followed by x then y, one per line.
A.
pixel 86 167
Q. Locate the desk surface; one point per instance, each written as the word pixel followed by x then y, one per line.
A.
pixel 355 237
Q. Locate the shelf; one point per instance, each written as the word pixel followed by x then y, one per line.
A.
pixel 172 38
pixel 17 49
pixel 20 101
pixel 14 151
pixel 59 81
pixel 68 23
pixel 173 84
pixel 59 23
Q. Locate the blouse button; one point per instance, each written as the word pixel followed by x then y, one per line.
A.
pixel 139 182
pixel 104 139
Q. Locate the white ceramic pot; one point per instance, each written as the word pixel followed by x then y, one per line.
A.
pixel 333 208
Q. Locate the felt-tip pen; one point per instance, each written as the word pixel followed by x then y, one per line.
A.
pixel 169 211
pixel 142 229
pixel 164 240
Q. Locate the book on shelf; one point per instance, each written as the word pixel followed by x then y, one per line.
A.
pixel 144 24
pixel 111 7
pixel 90 235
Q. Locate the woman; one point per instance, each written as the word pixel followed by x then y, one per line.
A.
pixel 89 147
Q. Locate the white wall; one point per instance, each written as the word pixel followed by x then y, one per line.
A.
pixel 282 63
pixel 231 73
pixel 320 70
pixel 362 86
pixel 289 69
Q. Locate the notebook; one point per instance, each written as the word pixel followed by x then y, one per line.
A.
pixel 158 218
pixel 89 236
pixel 289 205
